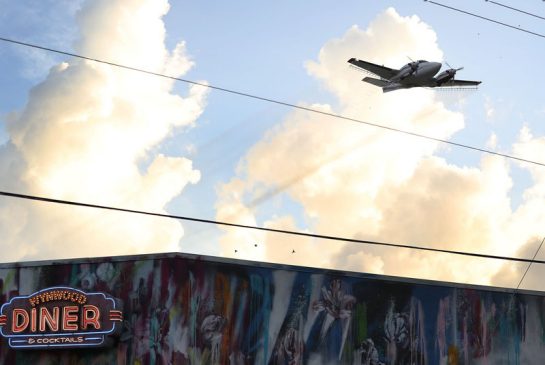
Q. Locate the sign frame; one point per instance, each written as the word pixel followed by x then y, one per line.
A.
pixel 24 319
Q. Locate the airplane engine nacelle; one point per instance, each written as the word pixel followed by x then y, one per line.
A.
pixel 444 77
pixel 403 73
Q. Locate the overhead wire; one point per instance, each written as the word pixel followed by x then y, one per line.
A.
pixel 515 9
pixel 278 102
pixel 485 18
pixel 301 108
pixel 530 264
pixel 512 27
pixel 266 229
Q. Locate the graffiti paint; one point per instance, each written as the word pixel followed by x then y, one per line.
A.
pixel 183 309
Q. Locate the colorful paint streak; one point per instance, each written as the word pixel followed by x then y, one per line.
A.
pixel 182 309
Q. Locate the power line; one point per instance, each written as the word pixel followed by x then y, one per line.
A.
pixel 515 9
pixel 530 264
pixel 485 18
pixel 282 231
pixel 392 129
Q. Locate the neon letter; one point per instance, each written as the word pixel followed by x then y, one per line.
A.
pixel 33 320
pixel 69 320
pixel 52 320
pixel 91 316
pixel 16 325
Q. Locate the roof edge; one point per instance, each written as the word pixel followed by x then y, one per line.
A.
pixel 260 264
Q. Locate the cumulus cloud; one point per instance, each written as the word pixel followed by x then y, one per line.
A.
pixel 492 141
pixel 89 132
pixel 489 109
pixel 356 181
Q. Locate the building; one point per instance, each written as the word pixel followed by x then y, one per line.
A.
pixel 185 309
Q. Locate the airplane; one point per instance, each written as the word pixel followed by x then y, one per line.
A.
pixel 419 73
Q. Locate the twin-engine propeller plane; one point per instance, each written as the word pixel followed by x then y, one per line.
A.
pixel 414 74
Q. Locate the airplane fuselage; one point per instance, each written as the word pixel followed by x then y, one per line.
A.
pixel 416 73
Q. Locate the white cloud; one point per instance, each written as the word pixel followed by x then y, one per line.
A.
pixel 84 134
pixel 490 110
pixel 512 273
pixel 353 180
pixel 492 142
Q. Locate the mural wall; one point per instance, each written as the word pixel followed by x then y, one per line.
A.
pixel 183 310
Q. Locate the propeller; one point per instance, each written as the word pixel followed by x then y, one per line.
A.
pixel 413 64
pixel 406 73
pixel 448 74
pixel 452 71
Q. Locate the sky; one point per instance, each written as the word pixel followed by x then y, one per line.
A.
pixel 77 130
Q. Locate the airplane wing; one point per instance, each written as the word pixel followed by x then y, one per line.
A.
pixel 459 83
pixel 381 71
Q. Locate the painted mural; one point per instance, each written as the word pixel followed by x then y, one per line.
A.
pixel 180 309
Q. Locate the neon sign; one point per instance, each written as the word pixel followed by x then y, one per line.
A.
pixel 60 317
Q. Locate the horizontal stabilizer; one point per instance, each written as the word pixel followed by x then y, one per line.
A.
pixel 376 82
